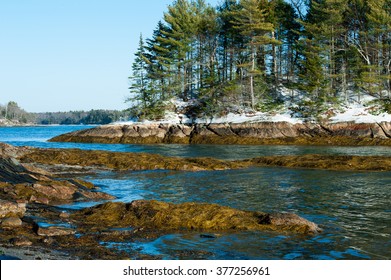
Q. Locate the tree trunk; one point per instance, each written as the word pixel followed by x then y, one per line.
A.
pixel 275 62
pixel 252 78
pixel 344 84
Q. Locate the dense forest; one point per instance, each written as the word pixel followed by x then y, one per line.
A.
pixel 238 55
pixel 14 114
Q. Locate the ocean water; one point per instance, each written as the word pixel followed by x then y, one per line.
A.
pixel 353 208
pixel 38 136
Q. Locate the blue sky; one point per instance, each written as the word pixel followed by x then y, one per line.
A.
pixel 62 55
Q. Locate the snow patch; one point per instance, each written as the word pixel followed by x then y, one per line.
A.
pixel 251 118
pixel 354 111
pixel 360 114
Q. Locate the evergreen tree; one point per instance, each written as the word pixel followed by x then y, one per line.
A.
pixel 207 45
pixel 230 40
pixel 241 51
pixel 251 21
pixel 142 95
pixel 161 60
pixel 181 25
pixel 288 33
pixel 379 19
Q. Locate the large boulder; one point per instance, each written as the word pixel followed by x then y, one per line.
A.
pixel 156 215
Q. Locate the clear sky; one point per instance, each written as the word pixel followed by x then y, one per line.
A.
pixel 62 55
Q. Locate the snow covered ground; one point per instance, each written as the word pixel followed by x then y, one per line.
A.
pixel 353 111
pixel 360 114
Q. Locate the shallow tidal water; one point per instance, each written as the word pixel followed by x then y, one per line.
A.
pixel 353 208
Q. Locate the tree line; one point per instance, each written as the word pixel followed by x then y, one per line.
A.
pixel 236 56
pixel 12 112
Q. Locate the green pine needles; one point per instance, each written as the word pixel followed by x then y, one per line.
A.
pixel 238 55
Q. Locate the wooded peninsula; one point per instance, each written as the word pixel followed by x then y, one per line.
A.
pixel 237 56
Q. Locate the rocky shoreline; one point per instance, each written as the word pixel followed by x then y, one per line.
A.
pixel 33 226
pixel 35 182
pixel 13 123
pixel 263 133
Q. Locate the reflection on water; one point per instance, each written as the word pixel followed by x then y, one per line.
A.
pixel 242 246
pixel 352 208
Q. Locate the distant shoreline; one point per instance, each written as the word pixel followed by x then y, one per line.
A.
pixel 8 123
pixel 43 125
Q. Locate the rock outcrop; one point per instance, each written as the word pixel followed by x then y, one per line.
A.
pixel 10 209
pixel 327 162
pixel 143 161
pixel 162 216
pixel 25 182
pixel 347 133
pixel 126 161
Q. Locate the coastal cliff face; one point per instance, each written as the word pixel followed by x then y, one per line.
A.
pixel 347 133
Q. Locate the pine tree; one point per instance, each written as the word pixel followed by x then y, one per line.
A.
pixel 181 23
pixel 288 33
pixel 325 27
pixel 241 51
pixel 251 21
pixel 379 18
pixel 311 76
pixel 230 40
pixel 142 97
pixel 334 33
pixel 161 61
pixel 207 45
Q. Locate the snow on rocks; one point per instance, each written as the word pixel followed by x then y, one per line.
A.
pixel 359 113
pixel 354 110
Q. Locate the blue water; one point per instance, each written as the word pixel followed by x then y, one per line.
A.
pixel 38 136
pixel 353 208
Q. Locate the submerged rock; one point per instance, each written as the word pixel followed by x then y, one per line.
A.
pixel 156 215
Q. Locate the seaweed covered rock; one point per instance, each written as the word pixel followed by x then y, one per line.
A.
pixel 50 192
pixel 162 216
pixel 7 150
pixel 144 161
pixel 20 181
pixel 11 222
pixel 11 209
pixel 327 162
pixel 54 231
pixel 125 161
